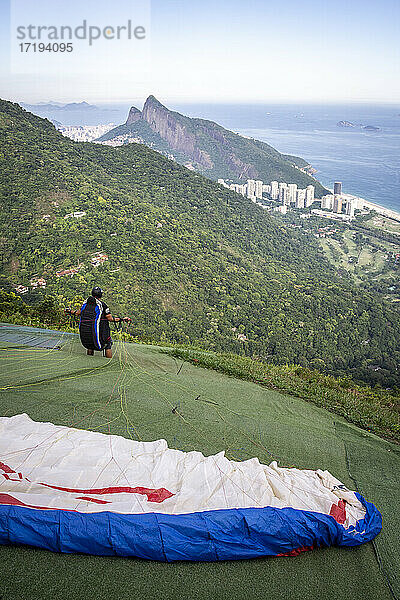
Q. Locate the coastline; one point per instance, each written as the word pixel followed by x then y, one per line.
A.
pixel 360 203
pixel 364 162
pixel 387 212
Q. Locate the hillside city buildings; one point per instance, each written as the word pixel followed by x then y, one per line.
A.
pixel 84 133
pixel 288 195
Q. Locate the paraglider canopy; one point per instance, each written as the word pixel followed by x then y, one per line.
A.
pixel 110 495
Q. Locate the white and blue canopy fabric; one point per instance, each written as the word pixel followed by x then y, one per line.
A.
pixel 70 490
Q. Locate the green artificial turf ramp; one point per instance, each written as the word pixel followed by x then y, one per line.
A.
pixel 145 394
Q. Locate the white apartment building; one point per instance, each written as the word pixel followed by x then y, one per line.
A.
pixel 274 190
pixel 292 189
pixel 283 193
pixel 310 191
pixel 300 198
pixel 251 188
pixel 350 208
pixel 286 193
pixel 266 189
pixel 259 189
pixel 327 202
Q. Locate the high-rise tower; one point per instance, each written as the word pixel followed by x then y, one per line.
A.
pixel 337 188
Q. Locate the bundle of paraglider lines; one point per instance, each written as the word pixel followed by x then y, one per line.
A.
pixel 68 489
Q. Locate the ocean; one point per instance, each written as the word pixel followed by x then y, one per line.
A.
pixel 367 162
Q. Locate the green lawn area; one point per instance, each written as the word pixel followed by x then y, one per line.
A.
pixel 338 257
pixel 134 395
pixel 381 222
pixel 365 257
pixel 357 257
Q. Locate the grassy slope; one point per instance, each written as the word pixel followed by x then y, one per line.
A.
pixel 241 417
pixel 374 410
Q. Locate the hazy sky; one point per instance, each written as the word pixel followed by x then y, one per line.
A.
pixel 210 51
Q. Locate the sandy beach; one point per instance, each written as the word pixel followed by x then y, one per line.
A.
pixel 387 212
pixel 360 203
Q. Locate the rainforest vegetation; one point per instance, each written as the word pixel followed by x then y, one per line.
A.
pixel 189 261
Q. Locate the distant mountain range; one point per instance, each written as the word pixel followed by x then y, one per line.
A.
pixel 49 106
pixel 208 148
pixel 74 113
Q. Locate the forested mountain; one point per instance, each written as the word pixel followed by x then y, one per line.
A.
pixel 208 148
pixel 187 259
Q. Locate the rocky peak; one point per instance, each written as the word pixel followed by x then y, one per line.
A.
pixel 173 128
pixel 153 107
pixel 152 102
pixel 134 115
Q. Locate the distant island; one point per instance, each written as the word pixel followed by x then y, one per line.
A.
pixel 371 128
pixel 365 127
pixel 345 124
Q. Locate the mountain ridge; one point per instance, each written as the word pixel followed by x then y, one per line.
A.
pixel 209 148
pixel 73 113
pixel 42 106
